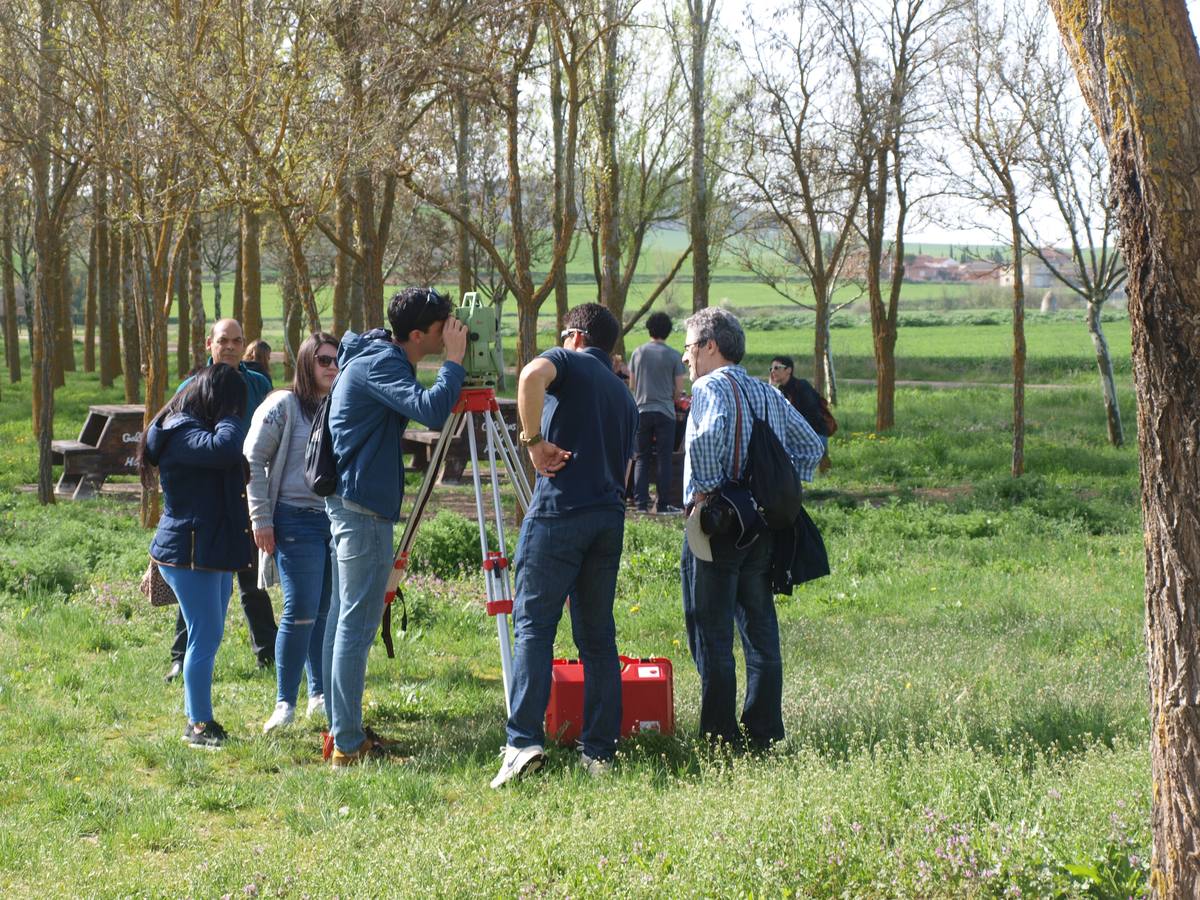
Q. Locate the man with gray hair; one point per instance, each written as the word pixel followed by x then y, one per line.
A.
pixel 735 583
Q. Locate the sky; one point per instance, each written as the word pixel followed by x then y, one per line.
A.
pixel 987 226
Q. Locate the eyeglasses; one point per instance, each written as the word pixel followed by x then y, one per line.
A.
pixel 567 332
pixel 778 367
pixel 325 361
pixel 695 344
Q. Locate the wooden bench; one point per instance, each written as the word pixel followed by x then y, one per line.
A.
pixel 107 445
pixel 420 443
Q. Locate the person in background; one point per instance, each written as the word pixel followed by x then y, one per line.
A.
pixel 578 423
pixel 620 369
pixel 258 359
pixel 225 344
pixel 290 524
pixel 805 400
pixel 734 587
pixel 657 382
pixel 374 398
pixel 203 536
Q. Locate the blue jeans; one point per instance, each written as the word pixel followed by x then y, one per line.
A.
pixel 655 438
pixel 734 587
pixel 305 574
pixel 577 556
pixel 362 559
pixel 203 597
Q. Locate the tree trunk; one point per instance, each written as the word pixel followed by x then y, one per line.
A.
pixel 195 292
pixel 115 292
pixel 48 270
pixel 1108 384
pixel 698 209
pixel 820 337
pixel 64 330
pixel 290 294
pixel 557 129
pixel 89 309
pixel 251 320
pixel 462 178
pixel 1140 73
pixel 105 312
pixel 1018 355
pixel 609 206
pixel 12 341
pixel 369 250
pixel 183 317
pixel 132 343
pixel 356 297
pixel 343 263
pixel 831 391
pixel 238 295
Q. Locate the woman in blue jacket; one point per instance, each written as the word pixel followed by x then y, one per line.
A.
pixel 204 535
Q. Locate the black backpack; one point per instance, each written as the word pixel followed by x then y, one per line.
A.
pixel 769 473
pixel 320 466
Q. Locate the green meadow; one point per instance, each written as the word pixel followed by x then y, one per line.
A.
pixel 965 695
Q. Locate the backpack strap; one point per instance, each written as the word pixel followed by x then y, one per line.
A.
pixel 737 431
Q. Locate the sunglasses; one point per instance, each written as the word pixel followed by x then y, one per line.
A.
pixel 567 332
pixel 776 367
pixel 325 361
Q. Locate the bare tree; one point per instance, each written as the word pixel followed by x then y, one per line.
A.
pixel 638 159
pixel 798 149
pixel 1070 168
pixel 8 269
pixel 1139 70
pixel 218 247
pixel 983 88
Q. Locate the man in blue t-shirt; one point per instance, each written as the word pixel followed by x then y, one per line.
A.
pixel 578 422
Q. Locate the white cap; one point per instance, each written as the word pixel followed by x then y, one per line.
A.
pixel 698 542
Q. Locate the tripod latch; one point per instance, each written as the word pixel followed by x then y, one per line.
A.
pixel 495 561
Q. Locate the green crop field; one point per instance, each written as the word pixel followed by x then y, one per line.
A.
pixel 965 696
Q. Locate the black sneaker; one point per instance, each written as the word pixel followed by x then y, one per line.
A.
pixel 668 510
pixel 205 736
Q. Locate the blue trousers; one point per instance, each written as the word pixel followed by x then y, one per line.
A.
pixel 203 600
pixel 306 576
pixel 574 555
pixel 363 552
pixel 734 587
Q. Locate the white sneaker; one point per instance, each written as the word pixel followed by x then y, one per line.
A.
pixel 596 768
pixel 518 761
pixel 316 706
pixel 284 714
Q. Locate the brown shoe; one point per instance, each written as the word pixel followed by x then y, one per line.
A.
pixel 367 750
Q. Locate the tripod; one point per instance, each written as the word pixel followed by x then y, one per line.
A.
pixel 472 402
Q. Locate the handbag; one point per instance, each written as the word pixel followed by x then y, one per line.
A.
pixel 155 588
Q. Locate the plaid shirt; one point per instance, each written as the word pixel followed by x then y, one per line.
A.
pixel 708 446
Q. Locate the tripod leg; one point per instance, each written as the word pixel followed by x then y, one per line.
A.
pixel 499 601
pixel 512 460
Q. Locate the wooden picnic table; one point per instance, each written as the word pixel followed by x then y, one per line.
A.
pixel 107 445
pixel 420 443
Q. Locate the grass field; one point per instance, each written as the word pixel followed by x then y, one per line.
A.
pixel 965 695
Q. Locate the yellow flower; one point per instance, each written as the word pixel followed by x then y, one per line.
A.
pixel 635 609
pixel 675 642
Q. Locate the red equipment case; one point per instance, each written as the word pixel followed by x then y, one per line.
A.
pixel 647 698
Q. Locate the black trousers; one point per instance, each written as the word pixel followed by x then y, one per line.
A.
pixel 256 604
pixel 655 437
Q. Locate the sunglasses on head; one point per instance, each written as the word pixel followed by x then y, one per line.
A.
pixel 567 332
pixel 325 361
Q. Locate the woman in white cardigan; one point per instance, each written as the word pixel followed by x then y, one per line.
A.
pixel 290 524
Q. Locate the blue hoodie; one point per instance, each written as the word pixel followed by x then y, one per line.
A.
pixel 375 395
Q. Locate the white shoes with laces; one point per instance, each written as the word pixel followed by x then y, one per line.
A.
pixel 284 714
pixel 316 706
pixel 518 761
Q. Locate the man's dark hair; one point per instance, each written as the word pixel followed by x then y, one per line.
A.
pixel 419 308
pixel 598 324
pixel 785 361
pixel 659 325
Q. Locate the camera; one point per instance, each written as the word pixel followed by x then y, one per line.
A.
pixel 484 361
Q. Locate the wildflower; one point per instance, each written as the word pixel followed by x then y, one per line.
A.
pixel 634 610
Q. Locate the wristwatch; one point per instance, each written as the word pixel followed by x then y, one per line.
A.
pixel 528 440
